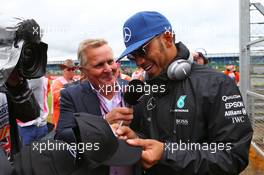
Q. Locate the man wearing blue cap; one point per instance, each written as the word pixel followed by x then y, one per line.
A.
pixel 184 130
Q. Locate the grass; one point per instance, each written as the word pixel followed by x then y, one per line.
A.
pixel 49 105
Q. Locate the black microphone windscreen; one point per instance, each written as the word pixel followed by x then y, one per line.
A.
pixel 134 91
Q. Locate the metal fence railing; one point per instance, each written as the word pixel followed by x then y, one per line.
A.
pixel 252 75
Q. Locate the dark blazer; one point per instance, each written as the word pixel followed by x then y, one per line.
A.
pixel 81 98
pixel 78 98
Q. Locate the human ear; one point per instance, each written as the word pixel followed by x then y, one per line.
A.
pixel 168 39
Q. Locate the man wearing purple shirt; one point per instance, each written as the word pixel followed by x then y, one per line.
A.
pixel 99 94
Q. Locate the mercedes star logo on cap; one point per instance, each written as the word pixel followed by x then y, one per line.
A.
pixel 127 34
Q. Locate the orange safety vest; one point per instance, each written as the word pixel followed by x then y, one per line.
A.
pixel 56 86
pixel 233 74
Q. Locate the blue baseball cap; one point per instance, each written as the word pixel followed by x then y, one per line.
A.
pixel 142 27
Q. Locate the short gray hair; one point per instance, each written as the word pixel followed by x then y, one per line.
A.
pixel 88 43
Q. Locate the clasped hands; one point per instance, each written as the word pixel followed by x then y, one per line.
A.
pixel 152 149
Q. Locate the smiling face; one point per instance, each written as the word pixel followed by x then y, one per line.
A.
pixel 158 54
pixel 100 69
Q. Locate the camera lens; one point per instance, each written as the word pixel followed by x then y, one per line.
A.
pixel 28 53
pixel 33 60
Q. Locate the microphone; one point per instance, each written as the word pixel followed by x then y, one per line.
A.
pixel 134 92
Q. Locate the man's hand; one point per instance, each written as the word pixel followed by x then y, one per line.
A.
pixel 118 114
pixel 123 132
pixel 152 151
